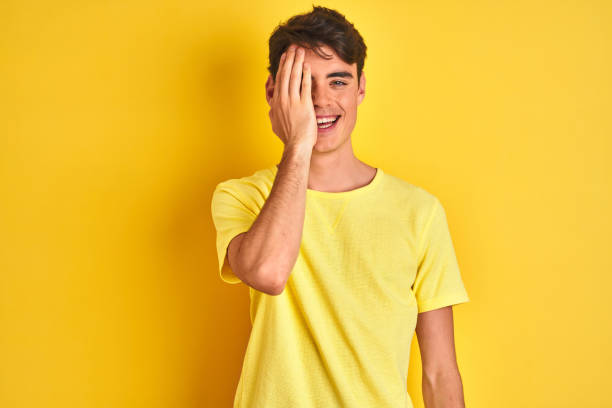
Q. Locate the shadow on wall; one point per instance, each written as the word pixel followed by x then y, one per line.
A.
pixel 221 74
pixel 233 77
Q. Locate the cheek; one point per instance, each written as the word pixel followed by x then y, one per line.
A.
pixel 349 104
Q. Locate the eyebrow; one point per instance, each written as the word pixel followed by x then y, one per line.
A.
pixel 341 74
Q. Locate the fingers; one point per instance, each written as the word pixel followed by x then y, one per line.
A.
pixel 306 84
pixel 278 75
pixel 296 75
pixel 291 80
pixel 285 74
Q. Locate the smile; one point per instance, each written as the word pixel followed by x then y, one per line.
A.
pixel 327 123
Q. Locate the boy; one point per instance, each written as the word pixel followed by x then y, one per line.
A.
pixel 344 262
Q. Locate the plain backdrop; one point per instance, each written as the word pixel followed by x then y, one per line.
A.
pixel 118 118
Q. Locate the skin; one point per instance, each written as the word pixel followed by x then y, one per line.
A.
pixel 441 381
pixel 333 165
pixel 264 256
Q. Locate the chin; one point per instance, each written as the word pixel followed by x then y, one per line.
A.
pixel 328 144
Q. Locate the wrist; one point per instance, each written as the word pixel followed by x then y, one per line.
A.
pixel 298 151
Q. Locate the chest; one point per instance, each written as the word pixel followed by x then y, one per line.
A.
pixel 368 248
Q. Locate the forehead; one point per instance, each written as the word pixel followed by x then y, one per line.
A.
pixel 323 66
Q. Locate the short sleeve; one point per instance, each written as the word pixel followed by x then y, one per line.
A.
pixel 231 216
pixel 438 280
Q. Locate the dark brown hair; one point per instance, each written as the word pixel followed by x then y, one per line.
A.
pixel 321 26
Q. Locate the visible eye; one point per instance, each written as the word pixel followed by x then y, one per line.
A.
pixel 338 83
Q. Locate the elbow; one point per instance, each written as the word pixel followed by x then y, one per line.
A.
pixel 275 290
pixel 271 281
pixel 263 277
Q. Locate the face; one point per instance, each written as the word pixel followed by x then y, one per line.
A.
pixel 336 91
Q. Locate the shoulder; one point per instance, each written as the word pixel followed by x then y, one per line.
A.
pixel 418 199
pixel 253 187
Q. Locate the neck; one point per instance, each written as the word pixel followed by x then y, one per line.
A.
pixel 338 170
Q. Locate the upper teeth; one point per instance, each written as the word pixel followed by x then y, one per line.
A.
pixel 325 120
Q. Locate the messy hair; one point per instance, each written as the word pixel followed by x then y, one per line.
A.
pixel 321 26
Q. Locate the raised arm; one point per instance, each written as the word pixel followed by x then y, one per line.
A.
pixel 264 256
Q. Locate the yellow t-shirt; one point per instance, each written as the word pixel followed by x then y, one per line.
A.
pixel 339 334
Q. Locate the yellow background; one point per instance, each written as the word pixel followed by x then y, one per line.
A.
pixel 118 118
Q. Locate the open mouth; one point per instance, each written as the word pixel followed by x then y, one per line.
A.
pixel 327 123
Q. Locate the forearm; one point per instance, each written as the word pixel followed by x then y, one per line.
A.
pixel 443 390
pixel 274 239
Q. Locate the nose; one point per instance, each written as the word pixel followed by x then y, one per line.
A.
pixel 320 95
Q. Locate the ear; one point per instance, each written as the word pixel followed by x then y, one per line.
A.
pixel 361 90
pixel 269 89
